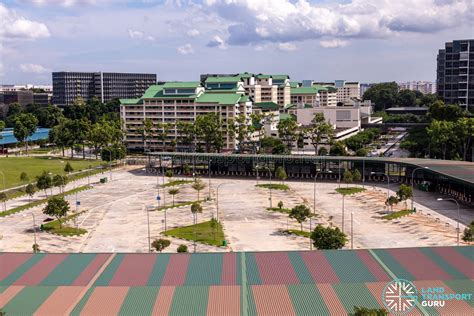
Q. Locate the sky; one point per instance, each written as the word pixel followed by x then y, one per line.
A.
pixel 356 40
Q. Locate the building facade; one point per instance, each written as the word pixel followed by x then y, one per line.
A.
pixel 425 87
pixel 455 73
pixel 170 103
pixel 106 86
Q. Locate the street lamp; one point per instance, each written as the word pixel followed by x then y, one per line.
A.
pixel 209 171
pixel 412 185
pixel 310 229
pixel 352 230
pixel 34 230
pixel 314 188
pixel 217 199
pixel 148 225
pixel 110 160
pixel 459 214
pixel 270 187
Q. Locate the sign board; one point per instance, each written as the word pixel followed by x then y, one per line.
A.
pixel 158 198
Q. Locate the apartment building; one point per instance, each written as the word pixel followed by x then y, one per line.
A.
pixel 455 73
pixel 346 91
pixel 68 86
pixel 314 95
pixel 425 87
pixel 174 102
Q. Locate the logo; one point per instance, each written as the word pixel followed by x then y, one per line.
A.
pixel 400 296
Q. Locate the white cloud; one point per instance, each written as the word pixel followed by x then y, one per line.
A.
pixel 33 68
pixel 218 42
pixel 334 43
pixel 186 49
pixel 282 21
pixel 14 26
pixel 62 3
pixel 287 47
pixel 139 35
pixel 192 33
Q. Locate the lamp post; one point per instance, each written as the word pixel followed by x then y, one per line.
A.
pixel 343 212
pixel 110 161
pixel 310 229
pixel 459 214
pixel 34 231
pixel 412 185
pixel 314 189
pixel 209 171
pixel 352 230
pixel 270 172
pixel 339 172
pixel 148 225
pixel 217 199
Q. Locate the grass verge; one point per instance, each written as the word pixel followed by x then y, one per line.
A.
pixel 297 232
pixel 274 186
pixel 42 201
pixel 349 190
pixel 398 214
pixel 204 233
pixel 279 210
pixel 176 182
pixel 161 208
pixel 53 227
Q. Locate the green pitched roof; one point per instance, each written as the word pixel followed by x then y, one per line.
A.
pixel 245 75
pixel 181 84
pixel 152 91
pixel 280 77
pixel 261 76
pixel 285 116
pixel 294 84
pixel 130 101
pixel 304 90
pixel 266 105
pixel 244 98
pixel 233 79
pixel 156 92
pixel 221 98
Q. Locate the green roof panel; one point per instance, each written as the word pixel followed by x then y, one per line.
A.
pixel 233 79
pixel 221 98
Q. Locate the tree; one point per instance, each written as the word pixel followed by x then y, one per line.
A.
pixel 160 244
pixel 148 129
pixel 271 145
pixel 404 193
pixel 364 311
pixel 468 235
pixel 319 130
pixel 30 190
pixel 383 95
pixel 208 129
pixel 113 152
pixel 44 182
pixel 391 201
pixel 328 238
pixel 338 149
pixel 406 98
pixel 57 207
pixel 300 213
pixel 182 248
pixel 169 173
pixel 347 177
pixel 36 248
pixel 100 135
pixel 440 111
pixel 173 192
pixel 441 134
pixel 287 131
pixel 280 173
pixel 464 131
pixel 68 168
pixel 213 223
pixel 60 135
pixel 24 126
pixel 356 176
pixel 2 127
pixel 24 177
pixel 4 198
pixel 280 205
pixel 59 181
pixel 195 209
pixel 242 130
pixel 187 134
pixel 198 185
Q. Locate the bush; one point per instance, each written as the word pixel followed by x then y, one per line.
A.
pixel 328 238
pixel 182 248
pixel 160 244
pixel 364 311
pixel 467 236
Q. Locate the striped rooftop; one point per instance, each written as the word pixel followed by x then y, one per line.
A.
pixel 247 283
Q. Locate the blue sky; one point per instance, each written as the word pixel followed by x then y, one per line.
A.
pixel 364 40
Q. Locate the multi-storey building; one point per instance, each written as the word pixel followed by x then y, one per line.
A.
pixel 455 73
pixel 174 102
pixel 425 87
pixel 106 86
pixel 346 91
pixel 314 95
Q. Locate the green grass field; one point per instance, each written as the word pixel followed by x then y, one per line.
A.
pixel 204 233
pixel 349 190
pixel 297 233
pixel 54 227
pixel 273 186
pixel 12 167
pixel 398 214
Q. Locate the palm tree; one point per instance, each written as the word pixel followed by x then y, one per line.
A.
pixel 173 192
pixel 196 208
pixel 198 185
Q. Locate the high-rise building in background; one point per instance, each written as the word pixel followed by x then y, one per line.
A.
pixel 425 87
pixel 455 73
pixel 106 86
